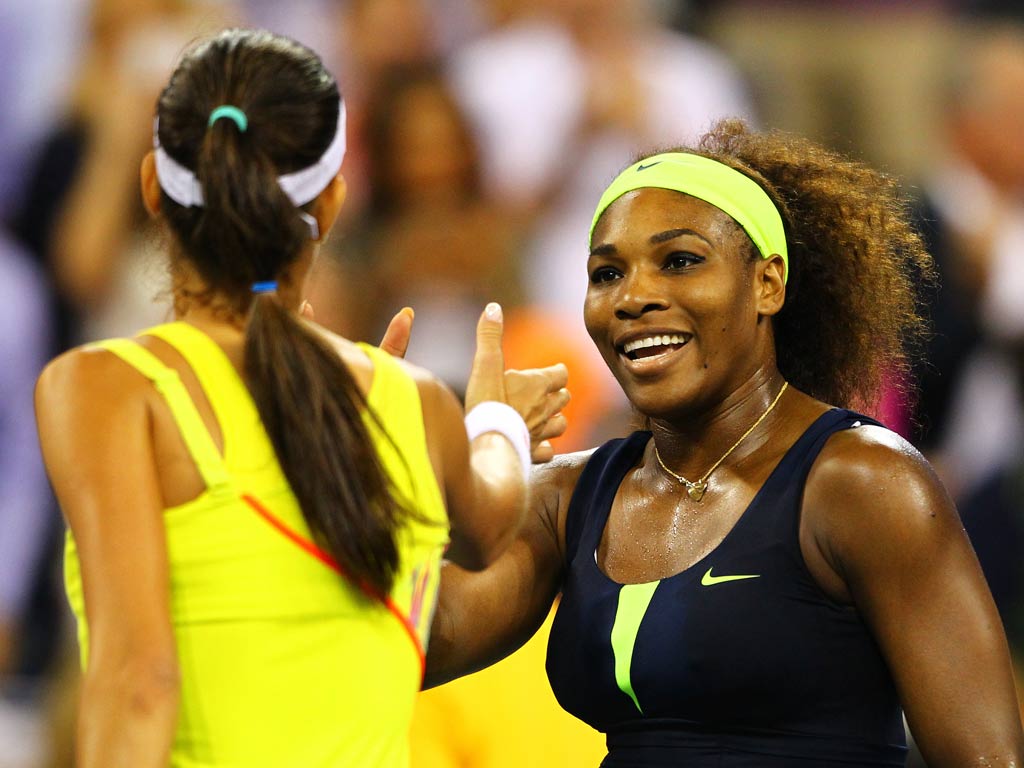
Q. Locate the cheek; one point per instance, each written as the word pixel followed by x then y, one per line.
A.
pixel 592 311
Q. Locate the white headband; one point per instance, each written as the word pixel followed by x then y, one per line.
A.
pixel 303 186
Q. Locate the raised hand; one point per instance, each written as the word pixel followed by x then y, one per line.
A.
pixel 538 394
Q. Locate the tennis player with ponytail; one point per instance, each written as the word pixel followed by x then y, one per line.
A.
pixel 258 509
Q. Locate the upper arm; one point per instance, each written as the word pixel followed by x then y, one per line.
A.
pixel 483 616
pixel 94 417
pixel 447 442
pixel 887 527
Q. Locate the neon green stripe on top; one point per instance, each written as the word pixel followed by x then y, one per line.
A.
pixel 633 602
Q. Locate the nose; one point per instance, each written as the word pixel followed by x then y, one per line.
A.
pixel 639 295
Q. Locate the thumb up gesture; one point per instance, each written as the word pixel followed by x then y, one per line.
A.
pixel 538 394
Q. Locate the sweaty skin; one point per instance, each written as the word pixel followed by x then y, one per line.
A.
pixel 877 530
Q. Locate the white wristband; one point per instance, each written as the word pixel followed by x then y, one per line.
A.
pixel 492 416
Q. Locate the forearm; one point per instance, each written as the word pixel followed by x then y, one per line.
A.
pixel 482 617
pixel 499 502
pixel 127 719
pixel 475 627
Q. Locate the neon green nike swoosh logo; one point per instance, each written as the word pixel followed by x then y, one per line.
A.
pixel 707 579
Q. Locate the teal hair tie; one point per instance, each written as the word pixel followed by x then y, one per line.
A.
pixel 231 113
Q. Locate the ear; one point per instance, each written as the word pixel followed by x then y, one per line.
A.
pixel 329 204
pixel 150 184
pixel 771 285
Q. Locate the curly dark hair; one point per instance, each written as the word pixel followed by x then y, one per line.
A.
pixel 853 316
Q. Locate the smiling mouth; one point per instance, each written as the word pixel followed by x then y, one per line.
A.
pixel 652 346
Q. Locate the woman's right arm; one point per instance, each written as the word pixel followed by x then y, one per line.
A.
pixel 483 616
pixel 95 425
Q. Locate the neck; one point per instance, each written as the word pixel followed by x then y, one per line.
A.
pixel 197 302
pixel 690 444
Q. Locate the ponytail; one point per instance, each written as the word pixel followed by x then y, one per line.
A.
pixel 248 230
pixel 245 212
pixel 313 411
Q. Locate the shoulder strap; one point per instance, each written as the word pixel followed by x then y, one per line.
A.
pixel 228 396
pixel 780 498
pixel 167 382
pixel 387 375
pixel 595 490
pixel 394 400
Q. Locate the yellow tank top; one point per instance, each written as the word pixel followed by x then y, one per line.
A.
pixel 284 662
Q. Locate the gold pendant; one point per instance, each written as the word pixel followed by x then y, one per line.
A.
pixel 696 490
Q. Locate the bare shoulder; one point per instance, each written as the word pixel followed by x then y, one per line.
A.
pixel 88 374
pixel 561 472
pixel 866 465
pixel 94 414
pixel 872 497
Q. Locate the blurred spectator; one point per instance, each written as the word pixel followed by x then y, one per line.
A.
pixel 864 77
pixel 378 38
pixel 311 22
pixel 1006 10
pixel 27 512
pixel 561 74
pixel 973 394
pixel 82 214
pixel 430 240
pixel 971 410
pixel 41 43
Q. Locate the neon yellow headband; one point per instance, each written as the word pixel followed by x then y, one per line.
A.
pixel 725 188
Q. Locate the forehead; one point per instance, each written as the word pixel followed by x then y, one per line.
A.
pixel 641 213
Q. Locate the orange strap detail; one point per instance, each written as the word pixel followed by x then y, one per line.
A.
pixel 312 549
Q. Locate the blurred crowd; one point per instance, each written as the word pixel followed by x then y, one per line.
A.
pixel 481 134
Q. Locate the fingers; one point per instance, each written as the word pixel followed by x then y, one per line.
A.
pixel 538 393
pixel 553 427
pixel 542 453
pixel 396 337
pixel 487 378
pixel 557 375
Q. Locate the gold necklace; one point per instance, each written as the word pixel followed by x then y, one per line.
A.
pixel 696 489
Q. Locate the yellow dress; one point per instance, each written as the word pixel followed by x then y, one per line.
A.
pixel 283 661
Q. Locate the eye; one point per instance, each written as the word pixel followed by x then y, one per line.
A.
pixel 682 260
pixel 603 275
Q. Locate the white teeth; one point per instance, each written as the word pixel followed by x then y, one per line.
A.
pixel 653 341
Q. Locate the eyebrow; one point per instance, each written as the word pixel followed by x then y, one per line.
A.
pixel 672 234
pixel 609 249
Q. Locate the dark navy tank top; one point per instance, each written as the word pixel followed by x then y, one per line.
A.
pixel 738 661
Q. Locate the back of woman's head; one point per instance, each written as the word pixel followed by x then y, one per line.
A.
pixel 247 230
pixel 242 114
pixel 852 317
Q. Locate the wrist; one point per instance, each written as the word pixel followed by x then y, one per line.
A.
pixel 492 416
